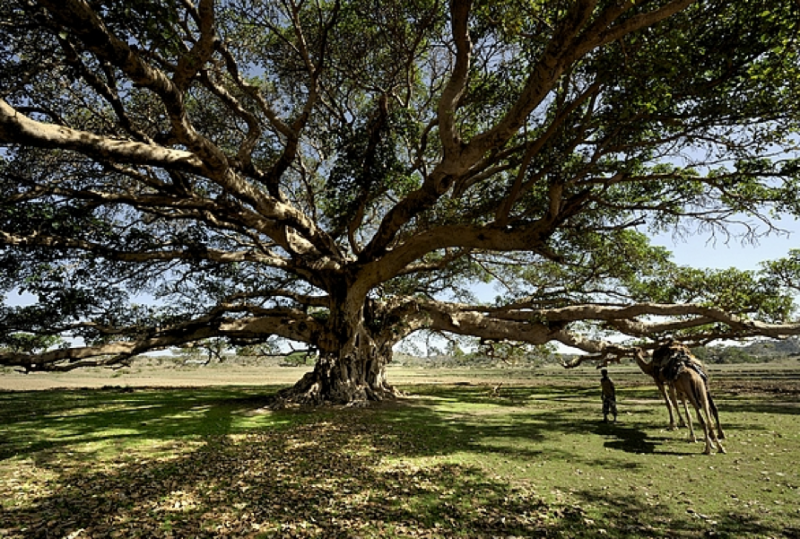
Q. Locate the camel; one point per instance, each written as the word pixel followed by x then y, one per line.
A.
pixel 655 371
pixel 667 361
pixel 690 385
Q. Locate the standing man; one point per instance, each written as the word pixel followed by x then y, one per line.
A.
pixel 609 396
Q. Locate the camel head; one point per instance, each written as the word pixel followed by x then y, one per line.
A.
pixel 645 366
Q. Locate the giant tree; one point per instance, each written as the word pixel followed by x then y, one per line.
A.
pixel 341 173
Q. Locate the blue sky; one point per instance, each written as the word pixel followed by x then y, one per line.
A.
pixel 703 251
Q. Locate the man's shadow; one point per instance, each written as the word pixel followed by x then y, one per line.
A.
pixel 626 438
pixel 632 439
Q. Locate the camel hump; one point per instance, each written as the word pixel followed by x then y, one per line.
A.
pixel 694 364
pixel 672 369
pixel 673 358
pixel 688 359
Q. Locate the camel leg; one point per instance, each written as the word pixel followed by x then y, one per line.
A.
pixel 692 437
pixel 690 393
pixel 705 425
pixel 672 425
pixel 696 393
pixel 713 416
pixel 674 398
pixel 718 442
pixel 674 394
pixel 711 435
pixel 684 396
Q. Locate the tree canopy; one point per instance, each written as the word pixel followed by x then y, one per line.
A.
pixel 342 174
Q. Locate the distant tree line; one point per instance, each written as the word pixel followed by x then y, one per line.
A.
pixel 755 352
pixel 508 354
pixel 453 354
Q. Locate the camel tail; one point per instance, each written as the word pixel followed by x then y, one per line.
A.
pixel 715 413
pixel 712 406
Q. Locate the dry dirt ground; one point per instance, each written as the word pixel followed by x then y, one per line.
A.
pixel 153 377
pixel 154 372
pixel 770 378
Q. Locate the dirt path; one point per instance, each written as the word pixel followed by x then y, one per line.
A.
pixel 153 377
pixel 777 380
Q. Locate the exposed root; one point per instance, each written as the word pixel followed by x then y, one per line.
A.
pixel 310 391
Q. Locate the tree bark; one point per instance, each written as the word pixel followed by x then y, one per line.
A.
pixel 353 355
pixel 357 377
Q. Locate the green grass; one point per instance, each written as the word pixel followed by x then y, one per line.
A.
pixel 451 460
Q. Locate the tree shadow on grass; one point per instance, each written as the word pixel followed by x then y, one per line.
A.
pixel 504 395
pixel 636 516
pixel 335 476
pixel 311 482
pixel 40 422
pixel 633 439
pixel 630 439
pixel 320 473
pixel 327 474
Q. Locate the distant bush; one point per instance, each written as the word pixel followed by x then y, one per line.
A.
pixel 299 358
pixel 760 351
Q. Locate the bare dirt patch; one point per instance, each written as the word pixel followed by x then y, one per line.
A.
pixel 154 377
pixel 778 380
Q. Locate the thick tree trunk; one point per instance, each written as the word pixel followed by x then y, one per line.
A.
pixel 346 377
pixel 347 380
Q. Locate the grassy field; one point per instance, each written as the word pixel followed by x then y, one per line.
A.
pixel 95 454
